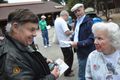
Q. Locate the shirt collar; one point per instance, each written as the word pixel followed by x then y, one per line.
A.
pixel 81 18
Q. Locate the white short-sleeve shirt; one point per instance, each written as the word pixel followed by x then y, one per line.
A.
pixel 60 29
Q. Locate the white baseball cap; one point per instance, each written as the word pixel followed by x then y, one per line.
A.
pixel 43 17
pixel 76 6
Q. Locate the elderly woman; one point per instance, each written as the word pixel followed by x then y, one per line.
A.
pixel 104 62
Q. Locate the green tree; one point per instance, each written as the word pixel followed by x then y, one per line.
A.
pixel 57 1
pixel 71 3
pixel 2 1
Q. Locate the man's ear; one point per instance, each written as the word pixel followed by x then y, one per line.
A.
pixel 15 26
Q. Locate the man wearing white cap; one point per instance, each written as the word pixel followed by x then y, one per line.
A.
pixel 83 39
pixel 43 28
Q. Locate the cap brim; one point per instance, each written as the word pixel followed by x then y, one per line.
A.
pixel 75 7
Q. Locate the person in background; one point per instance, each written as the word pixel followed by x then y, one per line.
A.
pixel 83 39
pixel 43 28
pixel 104 62
pixel 33 45
pixel 92 14
pixel 63 33
pixel 18 61
pixel 1 35
pixel 94 17
pixel 69 22
pixel 110 19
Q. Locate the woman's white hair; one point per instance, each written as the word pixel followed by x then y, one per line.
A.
pixel 113 32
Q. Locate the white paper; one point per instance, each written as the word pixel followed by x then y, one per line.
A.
pixel 66 42
pixel 62 66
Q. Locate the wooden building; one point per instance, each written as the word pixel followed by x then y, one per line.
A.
pixel 49 8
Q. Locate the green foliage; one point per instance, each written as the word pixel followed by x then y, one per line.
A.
pixel 71 3
pixel 57 1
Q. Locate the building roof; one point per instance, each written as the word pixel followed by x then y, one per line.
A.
pixel 36 7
